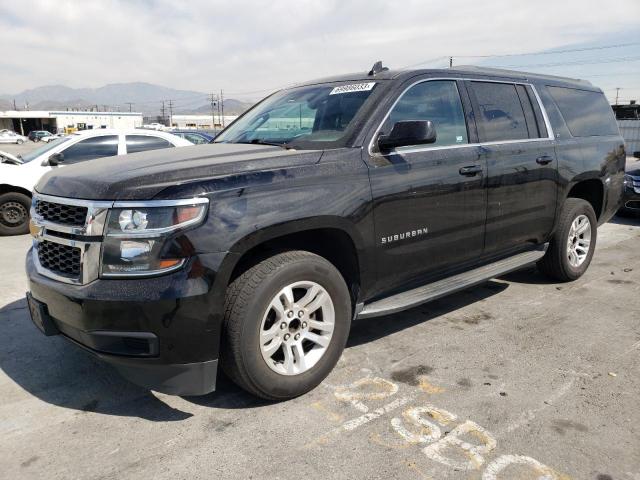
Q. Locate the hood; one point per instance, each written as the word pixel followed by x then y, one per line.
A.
pixel 633 167
pixel 9 159
pixel 141 176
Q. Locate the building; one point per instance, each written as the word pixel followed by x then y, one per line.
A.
pixel 201 122
pixel 23 122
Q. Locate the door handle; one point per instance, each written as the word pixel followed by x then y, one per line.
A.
pixel 544 160
pixel 471 170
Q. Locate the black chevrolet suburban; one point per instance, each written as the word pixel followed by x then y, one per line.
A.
pixel 345 198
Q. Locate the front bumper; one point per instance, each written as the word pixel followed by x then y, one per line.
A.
pixel 161 333
pixel 631 200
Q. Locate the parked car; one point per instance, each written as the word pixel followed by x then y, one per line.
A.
pixel 194 136
pixel 51 137
pixel 348 198
pixel 18 178
pixel 7 136
pixel 631 202
pixel 37 135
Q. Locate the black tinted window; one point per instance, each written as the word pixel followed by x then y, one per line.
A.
pixel 586 113
pixel 501 116
pixel 96 147
pixel 142 143
pixel 438 101
pixel 193 138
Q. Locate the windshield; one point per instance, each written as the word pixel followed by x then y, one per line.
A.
pixel 317 116
pixel 33 154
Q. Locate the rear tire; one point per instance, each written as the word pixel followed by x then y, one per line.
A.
pixel 14 213
pixel 286 324
pixel 20 141
pixel 573 243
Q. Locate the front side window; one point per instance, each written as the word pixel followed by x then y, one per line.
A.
pixel 501 117
pixel 91 148
pixel 318 116
pixel 586 113
pixel 438 101
pixel 142 143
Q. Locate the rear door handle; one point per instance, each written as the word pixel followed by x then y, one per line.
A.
pixel 544 160
pixel 471 170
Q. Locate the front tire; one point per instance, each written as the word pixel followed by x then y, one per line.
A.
pixel 20 141
pixel 14 213
pixel 573 243
pixel 286 323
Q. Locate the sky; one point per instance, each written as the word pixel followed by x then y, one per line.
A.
pixel 250 48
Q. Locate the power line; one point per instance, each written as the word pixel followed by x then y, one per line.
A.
pixel 500 55
pixel 576 63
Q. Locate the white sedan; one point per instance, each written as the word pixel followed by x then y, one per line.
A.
pixel 7 136
pixel 20 174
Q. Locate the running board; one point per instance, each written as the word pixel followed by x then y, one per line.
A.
pixel 432 291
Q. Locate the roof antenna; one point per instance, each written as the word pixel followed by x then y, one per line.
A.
pixel 377 68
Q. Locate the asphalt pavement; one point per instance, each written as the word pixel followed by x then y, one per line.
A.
pixel 519 378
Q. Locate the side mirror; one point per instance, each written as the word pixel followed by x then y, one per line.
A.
pixel 408 132
pixel 55 159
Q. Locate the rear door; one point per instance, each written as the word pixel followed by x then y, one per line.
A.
pixel 429 211
pixel 518 147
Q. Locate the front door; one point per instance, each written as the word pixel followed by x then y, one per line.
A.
pixel 429 200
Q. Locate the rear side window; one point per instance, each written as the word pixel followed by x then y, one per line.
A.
pixel 142 143
pixel 501 115
pixel 586 113
pixel 438 101
pixel 96 147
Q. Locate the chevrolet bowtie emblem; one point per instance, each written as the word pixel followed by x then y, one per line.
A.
pixel 34 229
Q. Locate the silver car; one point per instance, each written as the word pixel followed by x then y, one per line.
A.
pixel 7 136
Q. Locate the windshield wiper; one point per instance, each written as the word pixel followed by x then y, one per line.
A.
pixel 257 141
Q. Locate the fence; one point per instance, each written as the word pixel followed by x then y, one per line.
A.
pixel 630 130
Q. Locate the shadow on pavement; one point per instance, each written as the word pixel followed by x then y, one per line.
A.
pixel 60 373
pixel 369 330
pixel 627 219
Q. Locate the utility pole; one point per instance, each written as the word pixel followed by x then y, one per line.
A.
pixel 171 113
pixel 617 94
pixel 450 62
pixel 222 107
pixel 14 104
pixel 163 111
pixel 212 97
pixel 130 104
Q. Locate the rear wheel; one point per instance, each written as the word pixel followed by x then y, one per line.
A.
pixel 14 213
pixel 20 141
pixel 286 323
pixel 573 243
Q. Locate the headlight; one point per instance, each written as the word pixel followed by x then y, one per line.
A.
pixel 136 235
pixel 628 181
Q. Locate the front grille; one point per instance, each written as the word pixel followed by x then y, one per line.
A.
pixel 60 259
pixel 62 214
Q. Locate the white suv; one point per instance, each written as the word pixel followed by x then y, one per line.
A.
pixel 18 175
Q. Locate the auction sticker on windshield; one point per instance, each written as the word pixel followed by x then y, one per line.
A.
pixel 356 87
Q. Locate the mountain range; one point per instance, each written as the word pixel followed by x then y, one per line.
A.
pixel 144 97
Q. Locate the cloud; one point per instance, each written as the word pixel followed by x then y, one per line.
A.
pixel 244 46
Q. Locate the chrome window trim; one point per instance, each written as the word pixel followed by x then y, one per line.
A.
pixel 410 149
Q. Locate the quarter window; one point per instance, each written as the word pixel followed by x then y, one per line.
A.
pixel 142 143
pixel 91 148
pixel 438 101
pixel 586 113
pixel 501 116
